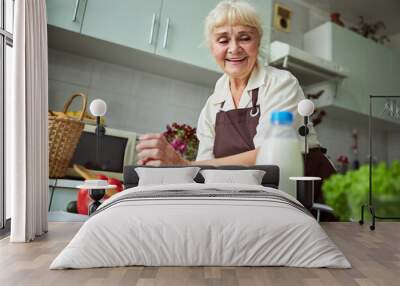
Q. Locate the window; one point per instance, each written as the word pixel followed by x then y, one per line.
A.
pixel 6 43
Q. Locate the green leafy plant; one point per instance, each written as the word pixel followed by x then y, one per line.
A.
pixel 347 192
pixel 371 30
pixel 183 139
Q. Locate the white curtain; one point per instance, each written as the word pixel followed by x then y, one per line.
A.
pixel 26 123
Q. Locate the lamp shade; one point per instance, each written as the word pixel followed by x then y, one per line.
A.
pixel 305 107
pixel 98 107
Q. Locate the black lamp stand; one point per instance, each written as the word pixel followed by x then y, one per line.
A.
pixel 97 194
pixel 100 132
pixel 303 131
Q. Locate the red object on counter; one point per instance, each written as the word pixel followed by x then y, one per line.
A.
pixel 101 177
pixel 83 200
pixel 335 18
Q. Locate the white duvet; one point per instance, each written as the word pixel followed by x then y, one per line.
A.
pixel 183 231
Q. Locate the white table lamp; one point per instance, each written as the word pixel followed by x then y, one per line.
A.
pixel 98 107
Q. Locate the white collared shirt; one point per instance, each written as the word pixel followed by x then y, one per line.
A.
pixel 278 90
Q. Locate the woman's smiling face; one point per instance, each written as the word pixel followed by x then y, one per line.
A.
pixel 235 49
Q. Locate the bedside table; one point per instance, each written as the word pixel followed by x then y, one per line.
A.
pixel 305 190
pixel 305 194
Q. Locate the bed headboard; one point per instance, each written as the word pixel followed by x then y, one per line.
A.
pixel 270 179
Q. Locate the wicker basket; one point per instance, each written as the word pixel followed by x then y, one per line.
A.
pixel 64 134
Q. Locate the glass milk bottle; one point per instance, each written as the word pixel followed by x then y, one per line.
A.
pixel 282 148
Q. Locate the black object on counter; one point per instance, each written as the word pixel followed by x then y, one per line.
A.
pixel 96 195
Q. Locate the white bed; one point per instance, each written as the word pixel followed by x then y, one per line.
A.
pixel 223 225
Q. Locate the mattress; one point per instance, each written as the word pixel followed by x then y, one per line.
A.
pixel 201 225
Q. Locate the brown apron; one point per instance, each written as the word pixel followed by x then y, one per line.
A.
pixel 235 129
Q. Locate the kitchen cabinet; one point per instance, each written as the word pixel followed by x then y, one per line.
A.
pixel 351 90
pixel 130 23
pixel 66 14
pixel 162 30
pixel 379 69
pixel 181 34
pixel 172 29
pixel 373 68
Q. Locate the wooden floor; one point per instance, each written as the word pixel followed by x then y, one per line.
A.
pixel 375 257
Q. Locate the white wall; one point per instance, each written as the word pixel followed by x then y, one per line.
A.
pixel 137 101
pixel 336 135
pixel 306 15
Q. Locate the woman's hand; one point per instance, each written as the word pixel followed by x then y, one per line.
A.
pixel 154 150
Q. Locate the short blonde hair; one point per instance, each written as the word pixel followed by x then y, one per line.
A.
pixel 232 12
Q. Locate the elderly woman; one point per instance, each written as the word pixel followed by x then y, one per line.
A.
pixel 235 118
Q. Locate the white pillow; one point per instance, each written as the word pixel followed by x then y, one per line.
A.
pixel 164 176
pixel 248 177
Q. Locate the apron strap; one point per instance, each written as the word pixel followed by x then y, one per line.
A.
pixel 255 110
pixel 254 96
